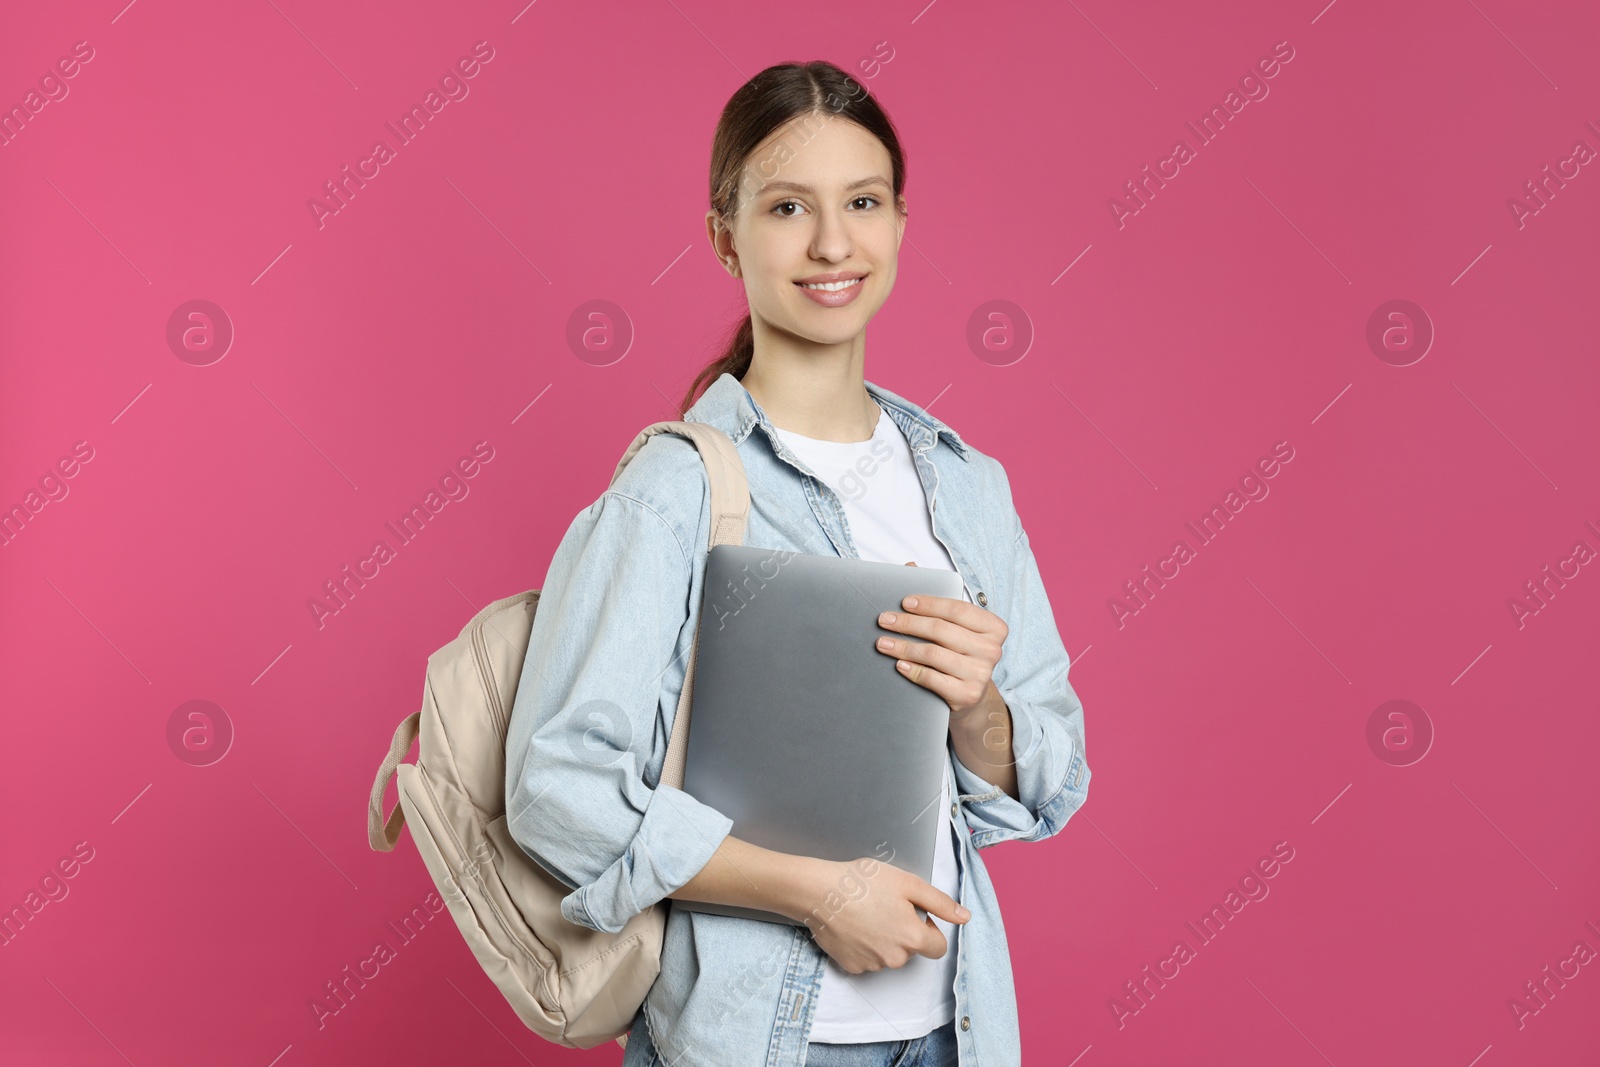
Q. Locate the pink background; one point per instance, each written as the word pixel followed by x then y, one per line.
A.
pixel 1230 313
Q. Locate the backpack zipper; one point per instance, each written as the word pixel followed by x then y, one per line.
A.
pixel 480 655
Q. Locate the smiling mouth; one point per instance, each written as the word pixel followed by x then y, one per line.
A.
pixel 830 287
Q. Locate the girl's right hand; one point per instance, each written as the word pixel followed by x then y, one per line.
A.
pixel 864 914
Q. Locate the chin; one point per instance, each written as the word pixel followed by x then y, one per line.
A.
pixel 835 333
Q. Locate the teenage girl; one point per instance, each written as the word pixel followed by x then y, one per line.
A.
pixel 808 212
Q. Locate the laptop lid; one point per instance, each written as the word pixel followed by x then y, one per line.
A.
pixel 801 731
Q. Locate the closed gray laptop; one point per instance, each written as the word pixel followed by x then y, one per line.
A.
pixel 800 730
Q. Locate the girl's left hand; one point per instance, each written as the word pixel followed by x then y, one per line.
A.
pixel 962 647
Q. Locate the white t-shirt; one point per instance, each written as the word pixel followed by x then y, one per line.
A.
pixel 887 511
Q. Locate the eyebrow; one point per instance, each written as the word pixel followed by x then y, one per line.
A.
pixel 796 187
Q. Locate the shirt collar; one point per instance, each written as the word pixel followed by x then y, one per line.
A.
pixel 728 405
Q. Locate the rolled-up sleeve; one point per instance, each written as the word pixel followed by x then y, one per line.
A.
pixel 1046 722
pixel 585 728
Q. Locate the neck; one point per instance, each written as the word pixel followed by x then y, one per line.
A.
pixel 817 391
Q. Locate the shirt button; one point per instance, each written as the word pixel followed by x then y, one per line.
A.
pixel 983 601
pixel 965 1024
pixel 952 811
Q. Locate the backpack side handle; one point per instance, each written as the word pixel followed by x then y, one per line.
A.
pixel 382 834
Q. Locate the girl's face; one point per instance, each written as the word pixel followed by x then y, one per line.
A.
pixel 815 201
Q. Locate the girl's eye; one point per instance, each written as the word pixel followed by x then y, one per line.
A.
pixel 777 208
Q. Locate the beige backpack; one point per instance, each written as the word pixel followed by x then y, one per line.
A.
pixel 572 985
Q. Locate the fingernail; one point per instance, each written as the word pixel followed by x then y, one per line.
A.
pixel 963 913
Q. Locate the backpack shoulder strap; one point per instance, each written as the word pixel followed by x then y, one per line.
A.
pixel 730 490
pixel 730 512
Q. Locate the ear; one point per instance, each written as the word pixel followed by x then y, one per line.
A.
pixel 722 244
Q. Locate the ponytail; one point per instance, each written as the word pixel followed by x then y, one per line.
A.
pixel 735 360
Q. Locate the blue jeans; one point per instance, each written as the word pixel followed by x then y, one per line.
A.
pixel 937 1048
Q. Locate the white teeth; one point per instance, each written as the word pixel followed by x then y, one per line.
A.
pixel 831 287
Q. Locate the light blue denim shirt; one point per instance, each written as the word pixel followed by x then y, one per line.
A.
pixel 599 692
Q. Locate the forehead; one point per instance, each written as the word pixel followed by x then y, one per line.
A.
pixel 816 153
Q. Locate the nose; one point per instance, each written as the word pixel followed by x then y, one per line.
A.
pixel 831 242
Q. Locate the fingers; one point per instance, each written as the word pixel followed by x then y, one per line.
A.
pixel 934 945
pixel 927 621
pixel 876 939
pixel 936 901
pixel 960 611
pixel 955 664
pixel 958 692
pixel 951 636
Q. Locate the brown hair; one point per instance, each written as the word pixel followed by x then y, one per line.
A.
pixel 765 103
